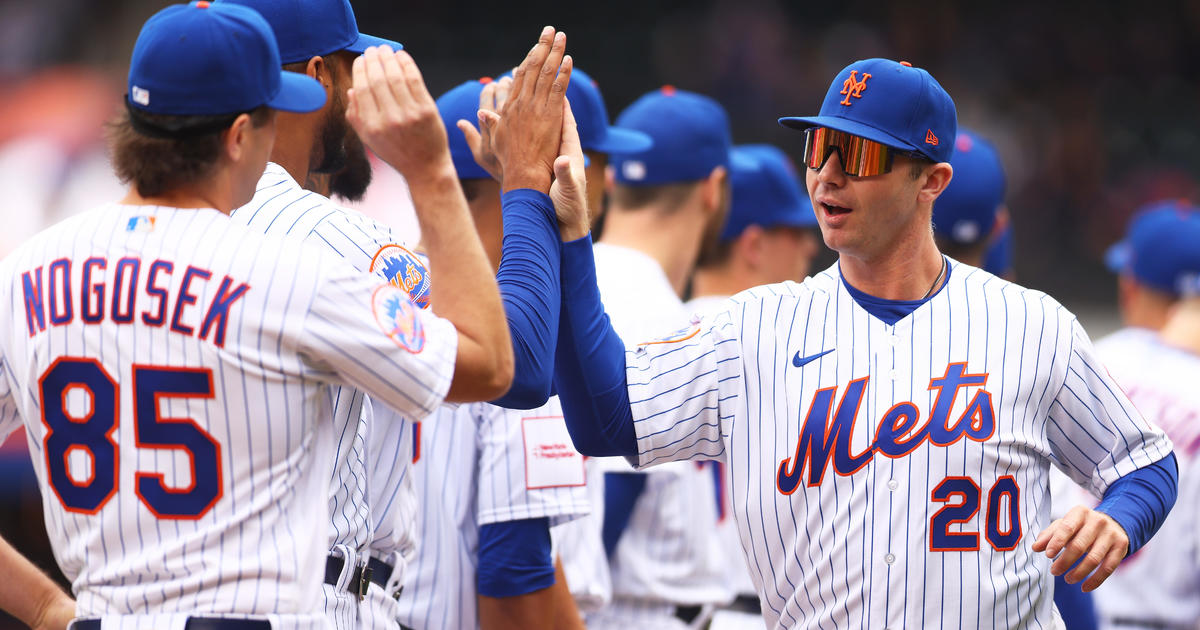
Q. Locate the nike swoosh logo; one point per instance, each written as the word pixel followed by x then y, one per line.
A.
pixel 800 361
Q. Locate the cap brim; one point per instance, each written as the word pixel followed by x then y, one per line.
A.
pixel 618 140
pixel 838 123
pixel 1117 257
pixel 298 93
pixel 364 42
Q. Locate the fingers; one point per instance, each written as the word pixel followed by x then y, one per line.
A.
pixel 473 138
pixel 362 99
pixel 562 173
pixel 549 71
pixel 487 97
pixel 1077 547
pixel 569 146
pixel 1106 568
pixel 488 121
pixel 1062 531
pixel 503 88
pixel 525 76
pixel 412 77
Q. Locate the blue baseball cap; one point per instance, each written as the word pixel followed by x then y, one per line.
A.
pixel 965 212
pixel 595 134
pixel 766 192
pixel 462 103
pixel 1162 248
pixel 202 60
pixel 690 134
pixel 312 28
pixel 889 102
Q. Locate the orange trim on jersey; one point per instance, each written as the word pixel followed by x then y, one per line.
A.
pixel 1016 499
pixel 695 331
pixel 108 435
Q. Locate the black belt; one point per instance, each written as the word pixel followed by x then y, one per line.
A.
pixel 688 614
pixel 380 573
pixel 194 623
pixel 746 604
pixel 360 580
pixel 1139 623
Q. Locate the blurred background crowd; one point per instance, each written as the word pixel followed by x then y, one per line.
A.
pixel 1092 105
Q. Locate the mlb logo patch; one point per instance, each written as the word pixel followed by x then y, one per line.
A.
pixel 141 96
pixel 398 318
pixel 405 270
pixel 140 224
pixel 634 170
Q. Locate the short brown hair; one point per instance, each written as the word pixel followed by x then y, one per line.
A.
pixel 669 196
pixel 158 164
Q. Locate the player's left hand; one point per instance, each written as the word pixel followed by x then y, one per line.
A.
pixel 491 100
pixel 55 614
pixel 1088 534
pixel 569 190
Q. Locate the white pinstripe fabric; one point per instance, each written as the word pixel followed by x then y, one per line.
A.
pixel 853 549
pixel 306 322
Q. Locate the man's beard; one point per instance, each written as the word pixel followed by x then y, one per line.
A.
pixel 350 183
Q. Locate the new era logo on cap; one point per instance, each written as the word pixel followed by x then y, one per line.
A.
pixel 930 139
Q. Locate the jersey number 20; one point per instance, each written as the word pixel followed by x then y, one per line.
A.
pixel 92 432
pixel 1003 520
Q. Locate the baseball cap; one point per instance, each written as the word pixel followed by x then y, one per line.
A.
pixel 462 103
pixel 690 135
pixel 889 102
pixel 766 192
pixel 200 59
pixel 998 259
pixel 591 117
pixel 965 212
pixel 309 28
pixel 1161 248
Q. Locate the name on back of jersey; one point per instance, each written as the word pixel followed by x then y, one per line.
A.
pixel 154 293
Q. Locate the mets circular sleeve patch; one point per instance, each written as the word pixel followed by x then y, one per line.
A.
pixel 398 318
pixel 405 270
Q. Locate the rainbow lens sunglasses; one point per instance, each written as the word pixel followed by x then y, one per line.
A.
pixel 859 156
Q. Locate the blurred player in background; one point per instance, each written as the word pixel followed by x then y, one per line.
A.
pixel 659 528
pixel 491 481
pixel 768 237
pixel 204 497
pixel 970 214
pixel 1156 360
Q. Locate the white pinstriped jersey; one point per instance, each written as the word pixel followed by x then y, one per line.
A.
pixel 891 475
pixel 670 551
pixel 1160 584
pixel 172 369
pixel 480 464
pixel 282 208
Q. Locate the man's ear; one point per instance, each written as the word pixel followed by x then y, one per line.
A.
pixel 713 189
pixel 749 246
pixel 610 179
pixel 934 180
pixel 235 138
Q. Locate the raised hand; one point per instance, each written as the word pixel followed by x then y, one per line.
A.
pixel 528 135
pixel 491 99
pixel 394 114
pixel 569 190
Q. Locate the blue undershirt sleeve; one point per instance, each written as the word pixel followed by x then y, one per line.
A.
pixel 529 279
pixel 589 365
pixel 514 558
pixel 621 492
pixel 1076 607
pixel 1139 501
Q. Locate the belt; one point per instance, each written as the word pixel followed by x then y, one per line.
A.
pixel 194 623
pixel 688 614
pixel 380 573
pixel 1139 623
pixel 360 580
pixel 746 604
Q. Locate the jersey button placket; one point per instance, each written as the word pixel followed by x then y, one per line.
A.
pixel 890 558
pixel 893 485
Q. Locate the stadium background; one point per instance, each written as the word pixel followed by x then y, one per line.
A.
pixel 1094 106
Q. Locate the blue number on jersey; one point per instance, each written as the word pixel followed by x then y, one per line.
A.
pixel 90 432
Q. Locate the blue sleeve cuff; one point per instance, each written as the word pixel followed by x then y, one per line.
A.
pixel 514 558
pixel 529 279
pixel 1139 502
pixel 589 366
pixel 621 492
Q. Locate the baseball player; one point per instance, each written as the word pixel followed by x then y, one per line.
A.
pixel 491 481
pixel 375 510
pixel 1154 361
pixel 29 595
pixel 889 422
pixel 768 238
pixel 659 527
pixel 970 214
pixel 171 367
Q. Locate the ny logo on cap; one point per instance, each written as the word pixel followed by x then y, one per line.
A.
pixel 853 86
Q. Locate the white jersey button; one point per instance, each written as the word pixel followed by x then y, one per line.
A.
pixel 890 558
pixel 893 484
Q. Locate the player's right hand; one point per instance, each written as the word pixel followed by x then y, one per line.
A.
pixel 569 190
pixel 1090 535
pixel 528 135
pixel 394 114
pixel 491 100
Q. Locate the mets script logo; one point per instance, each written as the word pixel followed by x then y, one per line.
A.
pixel 404 270
pixel 397 317
pixel 853 86
pixel 820 440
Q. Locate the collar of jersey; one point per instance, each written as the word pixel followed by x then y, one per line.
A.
pixel 890 311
